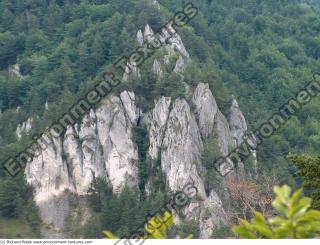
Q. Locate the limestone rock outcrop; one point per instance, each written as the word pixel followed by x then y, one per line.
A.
pixel 102 145
pixel 15 71
pixel 238 125
pixel 24 128
pixel 156 121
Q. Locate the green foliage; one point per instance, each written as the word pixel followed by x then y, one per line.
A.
pixel 92 228
pixel 308 168
pixel 15 229
pixel 222 232
pixel 141 139
pixel 157 227
pixel 211 152
pixel 210 155
pixel 97 193
pixel 121 214
pixel 185 229
pixel 16 201
pixel 295 219
pixel 263 52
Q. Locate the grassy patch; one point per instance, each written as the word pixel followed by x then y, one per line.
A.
pixel 13 228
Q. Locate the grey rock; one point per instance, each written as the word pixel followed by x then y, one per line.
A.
pixel 140 38
pixel 180 65
pixel 182 149
pixel 129 104
pixel 222 132
pixel 156 122
pixel 237 122
pixel 206 109
pixel 101 146
pixel 24 128
pixel 131 69
pixel 157 68
pixel 148 33
pixel 212 215
pixel 15 71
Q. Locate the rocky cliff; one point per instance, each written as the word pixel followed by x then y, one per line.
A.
pixel 102 146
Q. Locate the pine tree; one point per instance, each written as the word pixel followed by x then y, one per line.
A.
pixel 68 76
pixel 98 51
pixel 309 169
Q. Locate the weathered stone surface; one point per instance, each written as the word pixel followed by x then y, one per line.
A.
pixel 237 122
pixel 222 132
pixel 101 146
pixel 239 133
pixel 182 149
pixel 157 68
pixel 180 65
pixel 148 33
pixel 15 71
pixel 119 152
pixel 212 215
pixel 48 174
pixel 155 122
pixel 173 46
pixel 24 128
pixel 206 109
pixel 129 104
pixel 177 44
pixel 131 70
pixel 140 37
pixel 92 161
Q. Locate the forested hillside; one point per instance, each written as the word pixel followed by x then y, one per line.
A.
pixel 263 52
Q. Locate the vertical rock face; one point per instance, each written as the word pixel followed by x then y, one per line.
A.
pixel 180 65
pixel 239 131
pixel 119 152
pixel 131 69
pixel 172 46
pixel 211 215
pixel 156 122
pixel 128 101
pixel 48 172
pixel 157 68
pixel 24 128
pixel 177 44
pixel 74 156
pixel 222 131
pixel 102 145
pixel 92 161
pixel 177 134
pixel 212 122
pixel 206 109
pixel 238 125
pixel 140 37
pixel 148 33
pixel 15 71
pixel 181 161
pixel 182 149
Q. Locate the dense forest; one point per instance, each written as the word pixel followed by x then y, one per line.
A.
pixel 263 52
